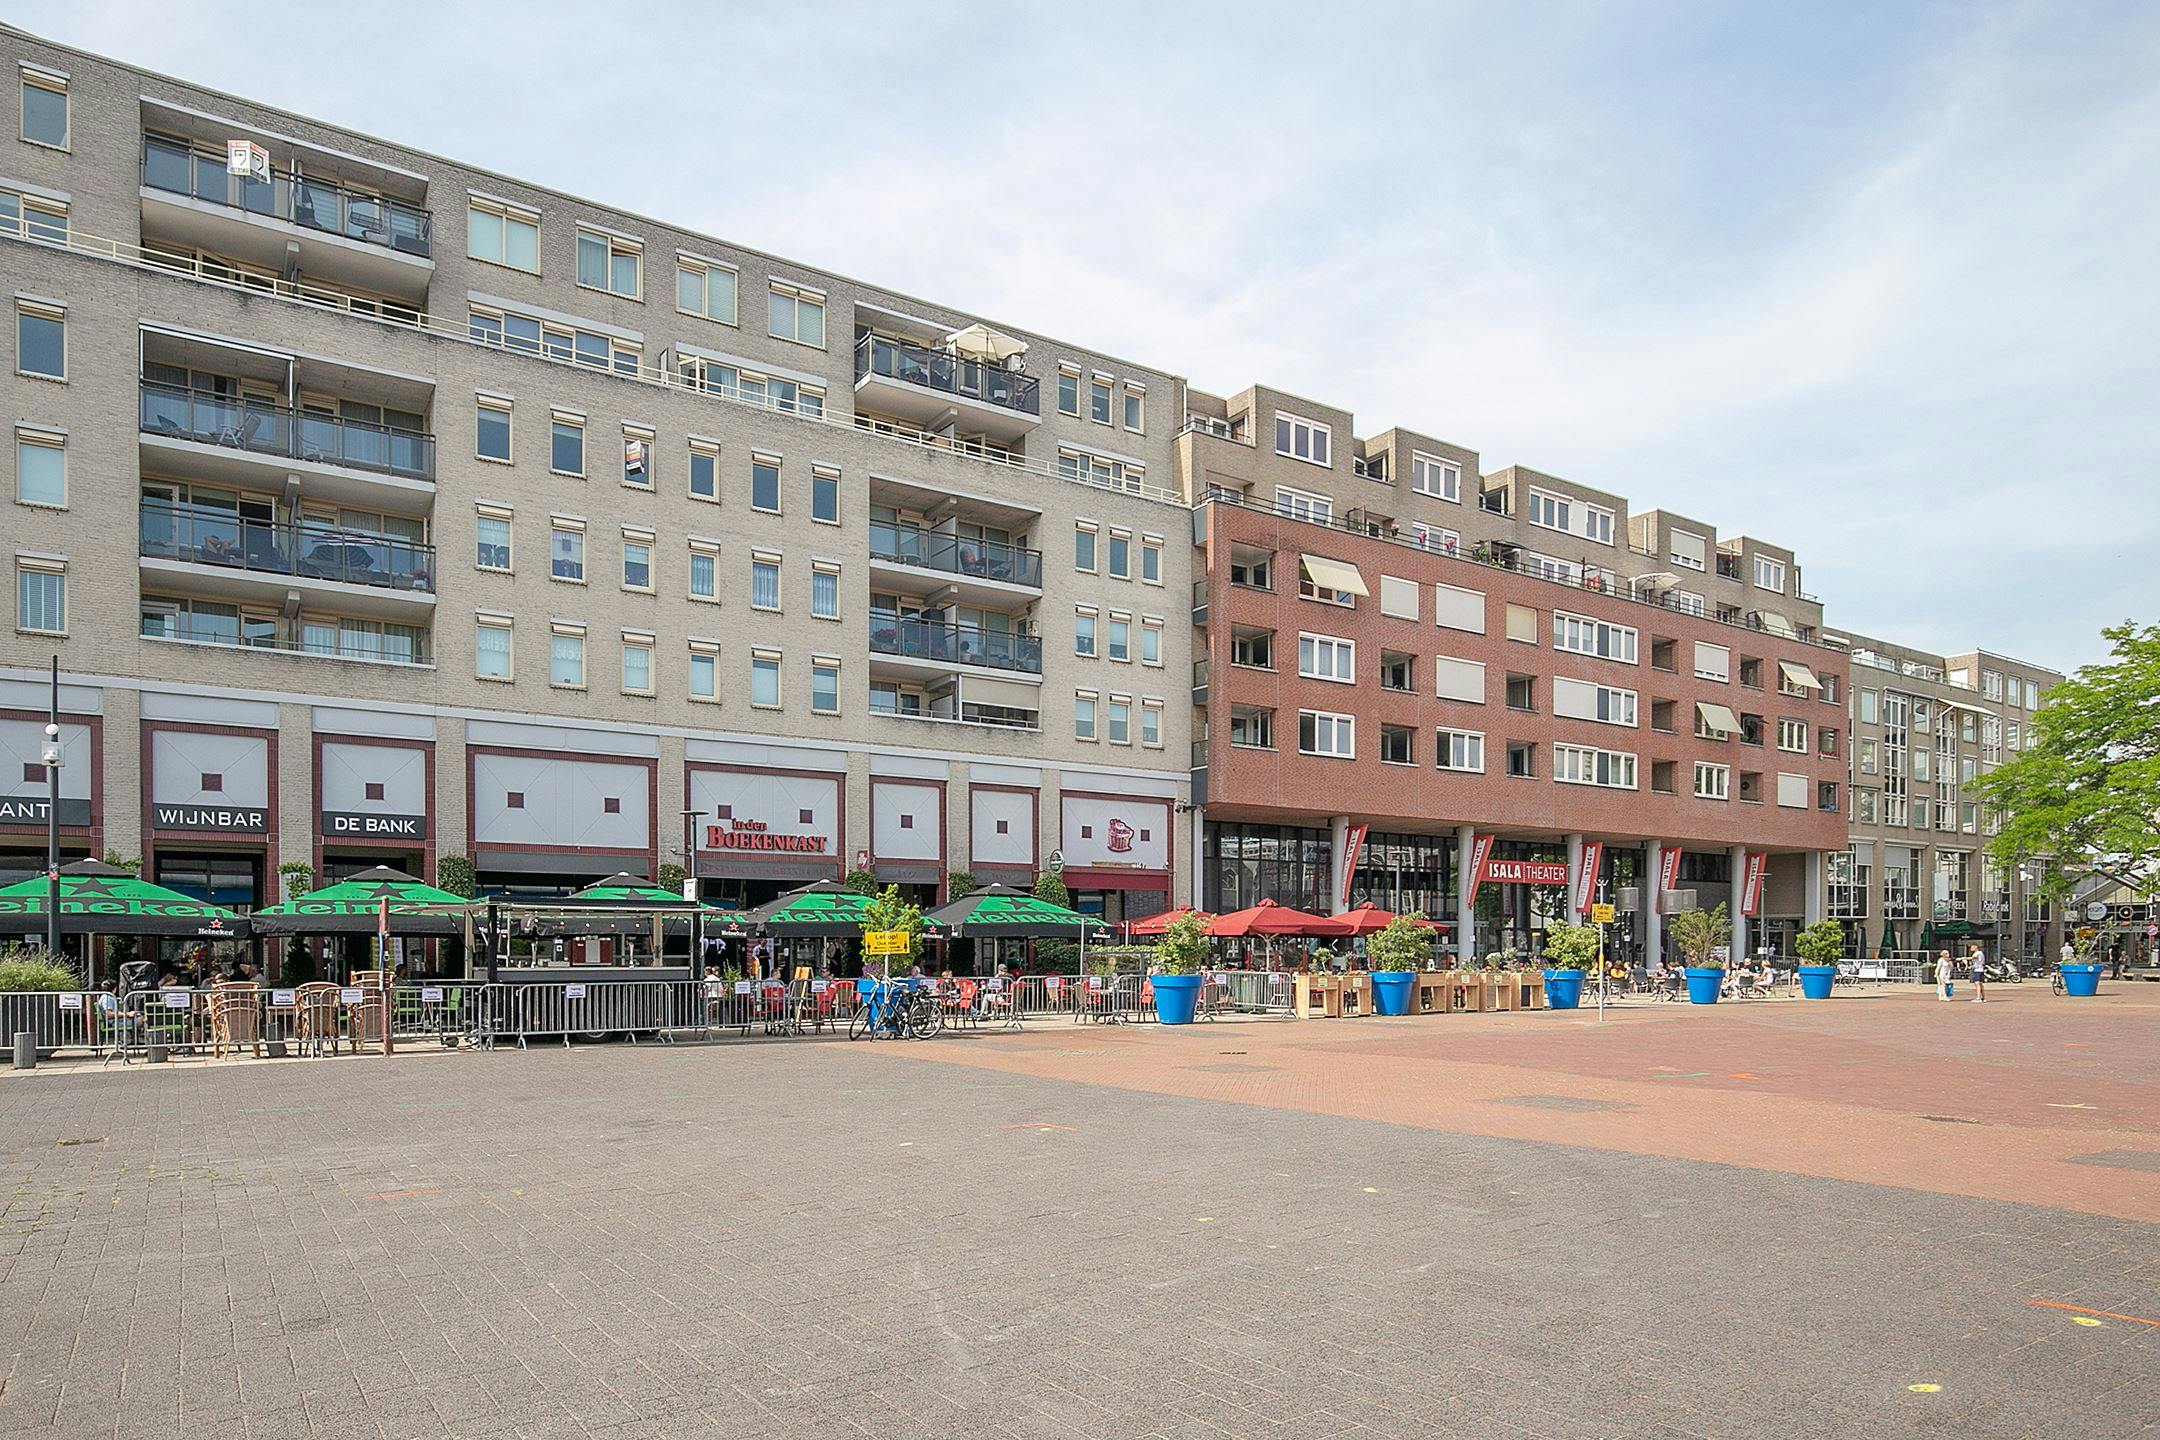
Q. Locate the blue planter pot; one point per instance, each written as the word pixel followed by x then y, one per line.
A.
pixel 1176 997
pixel 1563 989
pixel 1815 981
pixel 1391 991
pixel 1703 985
pixel 2081 979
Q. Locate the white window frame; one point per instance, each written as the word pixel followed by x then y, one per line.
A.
pixel 1590 765
pixel 564 630
pixel 51 568
pixel 505 215
pixel 1769 574
pixel 1424 467
pixel 763 658
pixel 1319 439
pixel 1547 510
pixel 508 628
pixel 1598 523
pixel 1792 735
pixel 705 269
pixel 1712 782
pixel 640 640
pixel 1304 505
pixel 501 515
pixel 1340 667
pixel 1340 728
pixel 825 568
pixel 1448 743
pixel 799 297
pixel 1600 639
pixel 39 439
pixel 616 246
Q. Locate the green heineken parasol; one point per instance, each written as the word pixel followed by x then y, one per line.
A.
pixel 353 906
pixel 101 899
pixel 623 890
pixel 826 909
pixel 1001 912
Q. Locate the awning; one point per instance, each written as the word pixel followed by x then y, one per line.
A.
pixel 1777 624
pixel 980 342
pixel 1717 717
pixel 1333 575
pixel 1970 709
pixel 1798 674
pixel 1014 694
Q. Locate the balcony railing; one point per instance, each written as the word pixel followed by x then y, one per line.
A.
pixel 268 429
pixel 398 645
pixel 203 536
pixel 935 369
pixel 955 644
pixel 982 559
pixel 324 205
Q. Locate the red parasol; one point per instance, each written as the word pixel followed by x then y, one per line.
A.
pixel 1365 919
pixel 1156 924
pixel 1269 918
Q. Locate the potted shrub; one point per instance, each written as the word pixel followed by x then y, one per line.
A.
pixel 1396 954
pixel 2082 976
pixel 1175 975
pixel 37 979
pixel 1822 944
pixel 1700 934
pixel 1569 952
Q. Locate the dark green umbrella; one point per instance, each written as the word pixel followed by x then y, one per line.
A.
pixel 101 899
pixel 826 909
pixel 353 906
pixel 1000 912
pixel 623 890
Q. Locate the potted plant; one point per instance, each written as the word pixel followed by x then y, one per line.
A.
pixel 1822 943
pixel 2082 976
pixel 38 979
pixel 1175 974
pixel 1700 934
pixel 1396 954
pixel 1569 952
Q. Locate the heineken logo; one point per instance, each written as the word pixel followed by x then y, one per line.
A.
pixel 210 817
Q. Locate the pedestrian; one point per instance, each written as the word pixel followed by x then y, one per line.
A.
pixel 2119 958
pixel 1942 975
pixel 1978 964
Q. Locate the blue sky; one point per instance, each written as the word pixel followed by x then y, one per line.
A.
pixel 1876 281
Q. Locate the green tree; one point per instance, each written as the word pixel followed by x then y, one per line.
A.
pixel 454 873
pixel 1406 944
pixel 958 883
pixel 1051 890
pixel 862 882
pixel 1183 947
pixel 1698 932
pixel 1822 943
pixel 1570 947
pixel 2085 799
pixel 887 911
pixel 670 877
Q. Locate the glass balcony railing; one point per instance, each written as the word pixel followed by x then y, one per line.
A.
pixel 181 169
pixel 983 559
pixel 268 429
pixel 203 536
pixel 955 644
pixel 935 369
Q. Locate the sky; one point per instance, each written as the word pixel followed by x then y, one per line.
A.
pixel 1874 282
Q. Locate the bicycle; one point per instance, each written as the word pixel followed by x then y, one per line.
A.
pixel 897 1010
pixel 2056 985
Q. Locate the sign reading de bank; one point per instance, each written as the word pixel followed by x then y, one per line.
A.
pixel 353 825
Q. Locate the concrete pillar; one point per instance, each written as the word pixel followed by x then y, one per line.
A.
pixel 1465 919
pixel 1653 919
pixel 1813 896
pixel 1741 948
pixel 1338 861
pixel 1197 878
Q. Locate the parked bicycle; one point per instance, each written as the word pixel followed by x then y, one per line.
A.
pixel 897 1010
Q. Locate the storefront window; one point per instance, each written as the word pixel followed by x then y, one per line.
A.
pixel 1408 874
pixel 1246 864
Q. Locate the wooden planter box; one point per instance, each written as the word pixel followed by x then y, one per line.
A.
pixel 1469 990
pixel 1319 996
pixel 1435 994
pixel 1531 989
pixel 1357 994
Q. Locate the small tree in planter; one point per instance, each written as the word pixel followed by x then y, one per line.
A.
pixel 1179 954
pixel 1406 944
pixel 1699 933
pixel 1820 946
pixel 887 911
pixel 1570 947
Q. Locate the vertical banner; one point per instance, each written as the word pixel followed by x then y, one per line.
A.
pixel 1668 874
pixel 1480 852
pixel 1751 888
pixel 1353 845
pixel 1593 857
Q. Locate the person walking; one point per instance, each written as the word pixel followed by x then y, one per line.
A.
pixel 1977 964
pixel 1942 975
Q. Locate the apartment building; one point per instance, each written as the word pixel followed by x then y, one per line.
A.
pixel 381 508
pixel 1916 874
pixel 1458 693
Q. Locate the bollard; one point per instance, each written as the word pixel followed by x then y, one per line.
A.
pixel 25 1050
pixel 154 1053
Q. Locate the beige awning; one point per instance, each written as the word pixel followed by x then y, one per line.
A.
pixel 1798 675
pixel 1717 717
pixel 1971 709
pixel 1777 624
pixel 1333 575
pixel 980 342
pixel 982 690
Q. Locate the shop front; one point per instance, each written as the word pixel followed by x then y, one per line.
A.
pixel 1406 874
pixel 545 824
pixel 762 832
pixel 1520 888
pixel 209 827
pixel 24 792
pixel 373 806
pixel 1116 854
pixel 1002 826
pixel 1249 862
pixel 907 837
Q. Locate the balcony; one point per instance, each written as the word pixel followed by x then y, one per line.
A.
pixel 927 385
pixel 223 554
pixel 389 645
pixel 257 428
pixel 189 196
pixel 936 643
pixel 938 553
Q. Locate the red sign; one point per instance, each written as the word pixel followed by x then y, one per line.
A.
pixel 1593 856
pixel 1480 852
pixel 1120 838
pixel 1668 872
pixel 1353 844
pixel 1525 872
pixel 1751 888
pixel 753 835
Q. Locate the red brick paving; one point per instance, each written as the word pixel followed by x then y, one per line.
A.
pixel 1838 1089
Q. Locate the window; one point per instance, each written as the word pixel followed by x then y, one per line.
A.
pixel 825 496
pixel 704 471
pixel 1117 718
pixel 1583 700
pixel 765 679
pixel 1252 728
pixel 566 548
pixel 491 540
pixel 1068 391
pixel 825 686
pixel 1435 539
pixel 40 340
pixel 1120 555
pixel 1397 671
pixel 1084 632
pixel 1712 662
pixel 765 483
pixel 637 678
pixel 1584 636
pixel 40 468
pixel 1084 715
pixel 1548 510
pixel 637 560
pixel 1255 648
pixel 1826 741
pixel 824 590
pixel 37 218
pixel 1119 642
pixel 1792 735
pixel 1151 722
pixel 1598 525
pixel 704 671
pixel 1303 505
pixel 1689 552
pixel 40 596
pixel 566 657
pixel 1395 744
pixel 1431 475
pixel 1459 679
pixel 1151 642
pixel 1522 693
pixel 637 457
pixel 765 582
pixel 1582 765
pixel 1459 750
pixel 796 314
pixel 1150 560
pixel 1300 439
pixel 491 649
pixel 491 430
pixel 1398 597
pixel 45 109
pixel 1792 791
pixel 2032 695
pixel 1323 733
pixel 1099 399
pixel 1455 608
pixel 704 570
pixel 1135 408
pixel 503 235
pixel 1084 537
pixel 1522 759
pixel 613 263
pixel 1522 626
pixel 1712 782
pixel 1322 657
pixel 566 455
pixel 1769 574
pixel 704 287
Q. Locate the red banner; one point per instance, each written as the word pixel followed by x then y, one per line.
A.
pixel 1353 843
pixel 1751 888
pixel 1480 852
pixel 1668 874
pixel 1586 879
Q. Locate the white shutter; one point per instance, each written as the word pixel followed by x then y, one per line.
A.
pixel 1398 597
pixel 1712 662
pixel 1459 679
pixel 1792 791
pixel 1455 608
pixel 1574 699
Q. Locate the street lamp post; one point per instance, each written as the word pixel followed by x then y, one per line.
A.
pixel 52 817
pixel 692 890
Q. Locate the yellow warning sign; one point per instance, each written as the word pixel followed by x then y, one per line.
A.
pixel 1602 914
pixel 885 942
